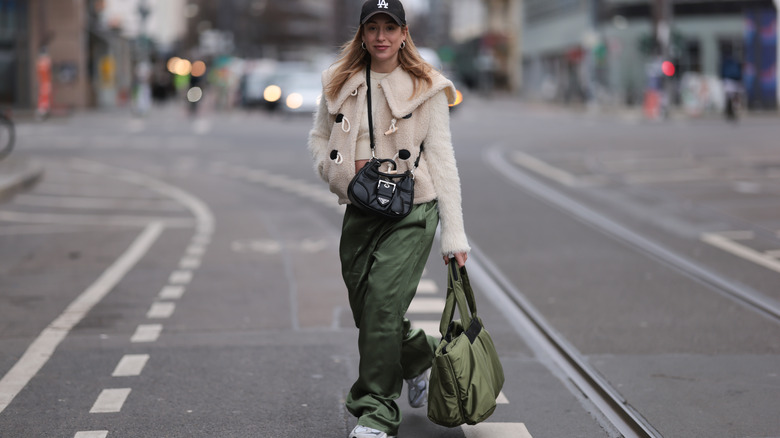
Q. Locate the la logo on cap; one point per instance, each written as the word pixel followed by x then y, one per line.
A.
pixel 382 4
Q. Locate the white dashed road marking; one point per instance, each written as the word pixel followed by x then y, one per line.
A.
pixel 130 365
pixel 161 310
pixel 493 430
pixel 93 203
pixel 94 220
pixel 180 277
pixel 725 243
pixel 189 263
pixel 429 327
pixel 196 250
pixel 171 292
pixel 39 352
pixel 147 333
pixel 427 286
pixel 426 305
pixel 91 434
pixel 110 400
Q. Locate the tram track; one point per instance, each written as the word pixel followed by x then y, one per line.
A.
pixel 739 292
pixel 614 412
pixel 555 352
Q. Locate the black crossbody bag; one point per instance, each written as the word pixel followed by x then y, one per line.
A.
pixel 386 194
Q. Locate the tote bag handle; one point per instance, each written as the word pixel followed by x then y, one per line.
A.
pixel 458 292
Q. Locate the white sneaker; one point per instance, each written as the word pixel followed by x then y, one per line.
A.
pixel 418 389
pixel 367 432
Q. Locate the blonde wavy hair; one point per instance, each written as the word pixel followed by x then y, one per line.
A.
pixel 354 59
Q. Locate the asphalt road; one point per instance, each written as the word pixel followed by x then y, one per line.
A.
pixel 178 277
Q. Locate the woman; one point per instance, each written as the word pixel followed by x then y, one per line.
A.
pixel 382 260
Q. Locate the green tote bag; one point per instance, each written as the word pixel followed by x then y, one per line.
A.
pixel 466 376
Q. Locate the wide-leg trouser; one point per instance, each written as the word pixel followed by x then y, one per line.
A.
pixel 382 262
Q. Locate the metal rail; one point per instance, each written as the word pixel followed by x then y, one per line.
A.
pixel 736 291
pixel 546 341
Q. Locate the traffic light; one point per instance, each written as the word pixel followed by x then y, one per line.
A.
pixel 667 67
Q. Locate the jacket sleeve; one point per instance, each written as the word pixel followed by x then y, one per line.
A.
pixel 319 137
pixel 440 158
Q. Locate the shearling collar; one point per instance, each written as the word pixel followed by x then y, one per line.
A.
pixel 397 86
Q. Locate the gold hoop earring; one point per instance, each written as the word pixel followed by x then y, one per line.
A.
pixel 403 45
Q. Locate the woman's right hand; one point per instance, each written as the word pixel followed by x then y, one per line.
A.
pixel 460 258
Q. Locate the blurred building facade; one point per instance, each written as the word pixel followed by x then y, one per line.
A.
pixel 51 36
pixel 607 50
pixel 261 28
pixel 84 50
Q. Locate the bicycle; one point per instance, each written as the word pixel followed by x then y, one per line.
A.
pixel 7 134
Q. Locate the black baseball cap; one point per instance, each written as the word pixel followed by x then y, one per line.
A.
pixel 393 8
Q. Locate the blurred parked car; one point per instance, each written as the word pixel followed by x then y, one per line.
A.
pixel 253 80
pixel 294 91
pixel 431 57
pixel 251 89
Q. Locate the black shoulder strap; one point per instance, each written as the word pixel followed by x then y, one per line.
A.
pixel 371 118
pixel 368 99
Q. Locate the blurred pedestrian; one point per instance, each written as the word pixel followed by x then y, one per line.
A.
pixel 731 74
pixel 382 260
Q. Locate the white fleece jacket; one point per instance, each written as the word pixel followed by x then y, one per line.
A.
pixel 403 123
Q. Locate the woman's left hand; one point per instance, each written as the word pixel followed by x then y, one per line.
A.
pixel 460 257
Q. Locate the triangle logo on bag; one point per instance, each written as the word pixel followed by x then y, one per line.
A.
pixel 383 201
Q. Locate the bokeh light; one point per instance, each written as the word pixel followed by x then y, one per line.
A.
pixel 458 98
pixel 172 63
pixel 668 68
pixel 294 101
pixel 272 93
pixel 194 94
pixel 198 68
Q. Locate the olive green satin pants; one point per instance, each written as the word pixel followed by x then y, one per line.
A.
pixel 382 262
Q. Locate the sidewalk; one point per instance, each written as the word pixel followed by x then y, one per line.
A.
pixel 17 174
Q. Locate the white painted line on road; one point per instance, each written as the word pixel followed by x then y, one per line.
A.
pixel 737 235
pixel 110 400
pixel 91 434
pixel 501 399
pixel 180 277
pixel 201 239
pixel 549 171
pixel 264 246
pixel 429 327
pixel 146 333
pixel 544 169
pixel 682 175
pixel 196 250
pixel 427 286
pixel 189 263
pixel 727 287
pixel 130 365
pixel 161 310
pixel 426 305
pixel 739 250
pixel 312 246
pixel 201 211
pixel 95 220
pixel 171 292
pixel 93 203
pixel 17 230
pixel 39 352
pixel 775 253
pixel 494 430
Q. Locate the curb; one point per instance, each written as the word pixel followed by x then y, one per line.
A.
pixel 18 175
